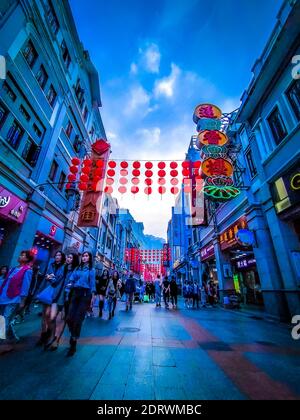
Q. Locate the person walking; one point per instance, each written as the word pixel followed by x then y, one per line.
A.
pixel 83 287
pixel 14 290
pixel 54 282
pixel 173 292
pixel 117 285
pixel 203 296
pixel 130 288
pixel 166 292
pixel 195 294
pixel 157 288
pixel 63 301
pixel 101 286
pixel 111 296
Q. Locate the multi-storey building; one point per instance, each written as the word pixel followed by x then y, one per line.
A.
pixel 49 113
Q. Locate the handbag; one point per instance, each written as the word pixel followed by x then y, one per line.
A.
pixel 46 295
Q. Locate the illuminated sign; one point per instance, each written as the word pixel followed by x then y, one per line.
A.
pixel 212 138
pixel 217 167
pixel 4 201
pixel 228 238
pixel 295 182
pixel 206 111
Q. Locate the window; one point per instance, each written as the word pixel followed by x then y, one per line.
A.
pixel 251 165
pixel 69 129
pixel 65 54
pixel 77 143
pixel 53 171
pixel 14 135
pixel 92 132
pixel 277 126
pixel 24 113
pixel 52 19
pixel 31 152
pixel 42 77
pixel 85 114
pixel 61 181
pixel 8 90
pixel 3 114
pixel 293 95
pixel 51 95
pixel 37 131
pixel 79 92
pixel 30 54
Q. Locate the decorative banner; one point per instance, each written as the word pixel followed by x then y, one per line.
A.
pixel 211 138
pixel 89 214
pixel 217 167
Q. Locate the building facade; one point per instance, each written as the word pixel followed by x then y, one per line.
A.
pixel 49 113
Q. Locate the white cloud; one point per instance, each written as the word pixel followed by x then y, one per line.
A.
pixel 151 58
pixel 138 101
pixel 149 137
pixel 133 69
pixel 166 86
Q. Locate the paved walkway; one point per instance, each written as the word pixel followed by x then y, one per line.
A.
pixel 154 353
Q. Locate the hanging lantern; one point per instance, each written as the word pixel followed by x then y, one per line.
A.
pixel 100 163
pixel 108 190
pixel 135 181
pixel 136 172
pixel 136 165
pixel 161 165
pixel 68 186
pixel 71 177
pixel 87 162
pixel 122 189
pixel 148 190
pixel 84 178
pixel 174 181
pixel 97 178
pixel 148 181
pixel 197 164
pixel 148 165
pixel 161 190
pixel 98 172
pixel 185 164
pixel 173 165
pixel 75 161
pixel 123 172
pixel 124 164
pixel 86 170
pixel 174 190
pixel 186 172
pixel 83 186
pixel 109 181
pixel 135 190
pixel 74 169
pixel 148 174
pixel 161 173
pixel 161 181
pixel 123 181
pixel 112 164
pixel 111 172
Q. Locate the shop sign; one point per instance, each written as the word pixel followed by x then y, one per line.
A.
pixel 245 237
pixel 287 189
pixel 11 206
pixel 4 201
pixel 207 252
pixel 53 230
pixel 246 263
pixel 228 238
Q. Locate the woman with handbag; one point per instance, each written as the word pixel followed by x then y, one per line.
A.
pixel 49 297
pixel 83 287
pixel 101 286
pixel 63 301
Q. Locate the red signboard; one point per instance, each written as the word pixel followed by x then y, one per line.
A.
pixel 207 252
pixel 11 206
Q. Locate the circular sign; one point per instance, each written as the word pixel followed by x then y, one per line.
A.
pixel 206 111
pixel 211 138
pixel 245 237
pixel 217 167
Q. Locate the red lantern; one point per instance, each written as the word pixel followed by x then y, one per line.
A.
pixel 87 162
pixel 135 181
pixel 74 169
pixel 68 186
pixel 122 189
pixel 174 181
pixel 148 190
pixel 112 164
pixel 86 170
pixel 100 163
pixel 148 181
pixel 136 165
pixel 98 172
pixel 123 181
pixel 161 181
pixel 84 178
pixel 186 172
pixel 111 172
pixel 161 190
pixel 136 172
pixel 135 190
pixel 123 172
pixel 174 173
pixel 97 178
pixel 124 164
pixel 108 190
pixel 197 164
pixel 161 173
pixel 71 177
pixel 185 164
pixel 148 165
pixel 161 165
pixel 148 174
pixel 109 181
pixel 75 161
pixel 173 165
pixel 174 190
pixel 83 186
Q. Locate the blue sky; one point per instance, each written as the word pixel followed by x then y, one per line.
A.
pixel 157 60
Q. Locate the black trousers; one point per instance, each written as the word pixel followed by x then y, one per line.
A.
pixel 174 299
pixel 80 303
pixel 195 300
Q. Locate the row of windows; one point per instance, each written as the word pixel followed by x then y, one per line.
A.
pixel 53 175
pixel 14 135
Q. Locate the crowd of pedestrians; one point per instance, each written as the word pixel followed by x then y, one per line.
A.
pixel 72 288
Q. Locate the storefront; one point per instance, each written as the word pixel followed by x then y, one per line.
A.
pixel 236 244
pixel 208 261
pixel 12 215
